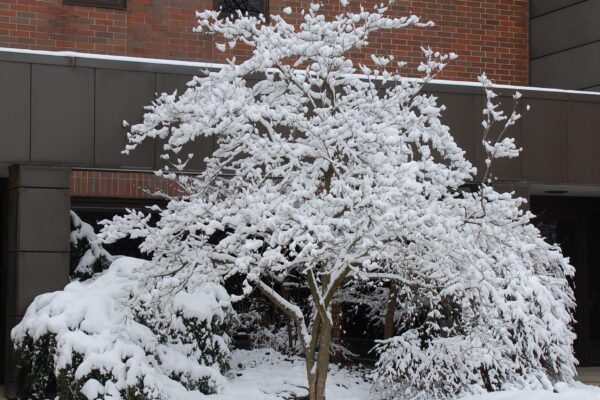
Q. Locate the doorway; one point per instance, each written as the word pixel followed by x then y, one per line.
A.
pixel 3 267
pixel 574 223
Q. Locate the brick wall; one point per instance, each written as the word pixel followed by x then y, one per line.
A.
pixel 148 28
pixel 119 184
pixel 489 35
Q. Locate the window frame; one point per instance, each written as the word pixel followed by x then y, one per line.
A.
pixel 114 4
pixel 233 15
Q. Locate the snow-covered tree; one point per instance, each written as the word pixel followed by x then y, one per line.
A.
pixel 336 172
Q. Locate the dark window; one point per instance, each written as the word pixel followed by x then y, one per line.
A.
pixel 122 4
pixel 252 7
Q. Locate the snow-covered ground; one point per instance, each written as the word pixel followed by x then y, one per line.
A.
pixel 267 375
pixel 264 374
pixel 580 392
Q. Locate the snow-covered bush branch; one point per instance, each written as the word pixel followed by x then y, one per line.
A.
pixel 88 257
pixel 499 146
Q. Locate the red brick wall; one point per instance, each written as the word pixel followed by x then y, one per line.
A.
pixel 148 28
pixel 113 184
pixel 488 35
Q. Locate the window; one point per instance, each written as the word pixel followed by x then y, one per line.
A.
pixel 252 7
pixel 121 4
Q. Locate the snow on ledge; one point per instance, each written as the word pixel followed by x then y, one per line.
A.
pixel 107 57
pixel 209 65
pixel 514 87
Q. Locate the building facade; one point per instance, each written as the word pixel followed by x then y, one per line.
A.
pixel 61 114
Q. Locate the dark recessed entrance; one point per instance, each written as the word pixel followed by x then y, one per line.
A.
pixel 3 266
pixel 574 223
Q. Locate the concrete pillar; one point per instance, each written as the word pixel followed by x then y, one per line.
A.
pixel 38 245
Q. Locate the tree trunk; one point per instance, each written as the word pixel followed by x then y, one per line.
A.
pixel 388 328
pixel 317 378
pixel 288 321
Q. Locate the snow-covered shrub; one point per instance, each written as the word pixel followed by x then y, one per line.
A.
pixel 498 326
pixel 109 337
pixel 88 257
pixel 35 361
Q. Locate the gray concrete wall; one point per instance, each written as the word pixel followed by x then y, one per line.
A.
pixel 69 111
pixel 560 134
pixel 62 110
pixel 565 44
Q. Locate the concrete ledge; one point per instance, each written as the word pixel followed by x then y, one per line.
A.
pixel 589 375
pixel 91 60
pixel 39 176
